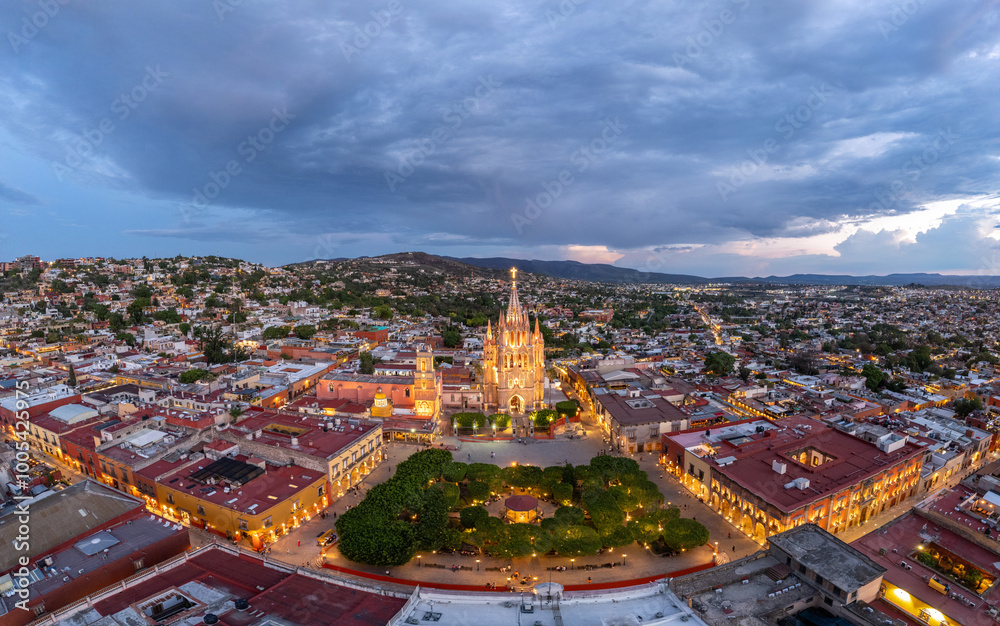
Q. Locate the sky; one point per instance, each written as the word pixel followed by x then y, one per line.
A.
pixel 707 137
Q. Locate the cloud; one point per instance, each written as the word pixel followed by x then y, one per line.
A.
pixel 701 98
pixel 16 196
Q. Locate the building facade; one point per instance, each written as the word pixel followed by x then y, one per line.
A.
pixel 514 361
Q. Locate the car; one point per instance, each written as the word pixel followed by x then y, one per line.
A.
pixel 326 538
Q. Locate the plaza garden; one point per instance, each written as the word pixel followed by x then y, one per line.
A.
pixel 434 503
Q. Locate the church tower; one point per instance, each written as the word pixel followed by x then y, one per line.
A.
pixel 514 360
pixel 426 392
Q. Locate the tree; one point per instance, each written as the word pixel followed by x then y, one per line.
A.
pixel 235 413
pixel 719 363
pixel 184 327
pixel 367 363
pixel 473 516
pixel 275 332
pixel 193 375
pixel 72 377
pixel 964 406
pixel 305 331
pixel 684 533
pixel 451 337
pixel 543 418
pixel 874 377
pixel 744 373
pixel 383 312
pixel 477 491
pixel 454 472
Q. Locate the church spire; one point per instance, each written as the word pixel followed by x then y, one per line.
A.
pixel 489 328
pixel 514 308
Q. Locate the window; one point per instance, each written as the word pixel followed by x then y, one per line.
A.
pixel 319 492
pixel 201 510
pixel 267 522
pixel 295 505
pixel 39 608
pixel 139 563
pixel 242 524
pixel 170 498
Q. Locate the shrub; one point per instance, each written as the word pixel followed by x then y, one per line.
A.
pixel 501 420
pixel 468 419
pixel 567 408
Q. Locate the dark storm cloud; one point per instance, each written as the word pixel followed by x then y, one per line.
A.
pixel 438 122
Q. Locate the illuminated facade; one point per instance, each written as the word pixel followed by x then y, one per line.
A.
pixel 514 361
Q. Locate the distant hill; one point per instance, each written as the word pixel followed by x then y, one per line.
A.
pixel 497 267
pixel 594 272
pixel 894 280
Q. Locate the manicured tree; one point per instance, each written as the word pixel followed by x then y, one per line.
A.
pixel 604 511
pixel 645 529
pixel 514 541
pixel 477 491
pixel 452 539
pixel 432 519
pixel 472 516
pixel 454 472
pixel 627 501
pixel 617 537
pixel 576 541
pixel 613 468
pixel 684 533
pixel 569 516
pixel 554 474
pixel 523 476
pixel 72 377
pixel 452 494
pixel 562 493
pixel 482 471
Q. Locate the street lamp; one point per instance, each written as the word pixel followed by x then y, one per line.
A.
pixel 477 565
pixel 572 564
pixel 623 559
pixel 418 560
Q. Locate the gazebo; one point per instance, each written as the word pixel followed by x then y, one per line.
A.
pixel 521 508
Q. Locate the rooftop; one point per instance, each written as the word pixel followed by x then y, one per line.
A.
pixel 57 517
pixel 818 550
pixel 213 579
pixel 845 460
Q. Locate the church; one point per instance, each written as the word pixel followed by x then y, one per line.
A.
pixel 513 361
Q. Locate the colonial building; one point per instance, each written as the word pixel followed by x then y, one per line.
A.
pixel 514 361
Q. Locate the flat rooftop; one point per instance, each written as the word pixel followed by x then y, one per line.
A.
pixel 821 552
pixel 649 605
pixel 758 586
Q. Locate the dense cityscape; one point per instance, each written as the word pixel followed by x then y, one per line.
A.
pixel 403 437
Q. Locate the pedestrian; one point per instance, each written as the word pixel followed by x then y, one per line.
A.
pixel 734 548
pixel 493 455
pixel 588 579
pixel 470 456
pixel 730 535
